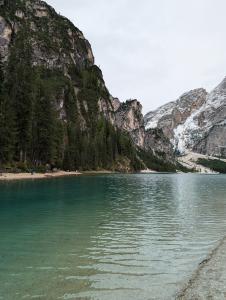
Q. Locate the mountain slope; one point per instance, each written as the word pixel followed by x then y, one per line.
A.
pixel 170 115
pixel 55 108
pixel 205 131
pixel 196 122
pixel 54 105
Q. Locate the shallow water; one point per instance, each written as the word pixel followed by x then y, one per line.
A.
pixel 114 237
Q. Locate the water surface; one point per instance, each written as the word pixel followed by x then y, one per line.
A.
pixel 114 237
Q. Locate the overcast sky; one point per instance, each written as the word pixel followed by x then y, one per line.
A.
pixel 153 50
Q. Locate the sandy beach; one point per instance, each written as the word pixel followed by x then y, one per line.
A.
pixel 23 176
pixel 209 280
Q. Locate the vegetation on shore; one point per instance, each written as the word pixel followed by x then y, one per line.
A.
pixel 216 165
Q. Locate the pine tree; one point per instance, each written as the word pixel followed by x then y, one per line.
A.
pixel 43 128
pixel 1 75
pixel 7 136
pixel 1 112
pixel 19 89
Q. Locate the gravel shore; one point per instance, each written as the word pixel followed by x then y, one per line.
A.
pixel 23 176
pixel 209 281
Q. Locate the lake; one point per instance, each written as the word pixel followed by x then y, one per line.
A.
pixel 113 237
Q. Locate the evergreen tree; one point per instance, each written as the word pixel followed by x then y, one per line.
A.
pixel 43 127
pixel 6 121
pixel 1 75
pixel 19 89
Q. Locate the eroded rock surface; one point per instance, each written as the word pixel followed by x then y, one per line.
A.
pixel 195 122
pixel 129 117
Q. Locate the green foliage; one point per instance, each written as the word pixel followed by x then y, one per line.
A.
pixel 213 164
pixel 7 132
pixel 98 148
pixel 19 91
pixel 10 6
pixel 1 75
pixel 155 163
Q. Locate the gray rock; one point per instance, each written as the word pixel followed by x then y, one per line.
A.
pixel 129 117
pixel 195 122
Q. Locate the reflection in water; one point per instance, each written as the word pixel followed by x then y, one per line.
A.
pixel 107 237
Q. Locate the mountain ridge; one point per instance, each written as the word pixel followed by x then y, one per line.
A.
pixel 202 129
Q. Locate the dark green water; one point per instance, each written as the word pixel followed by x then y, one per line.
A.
pixel 121 237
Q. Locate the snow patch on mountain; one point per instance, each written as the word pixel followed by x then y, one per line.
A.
pixel 197 126
pixel 195 122
pixel 186 134
pixel 175 112
pixel 152 119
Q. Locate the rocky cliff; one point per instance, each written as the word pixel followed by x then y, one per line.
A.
pixel 205 130
pixel 129 117
pixel 54 105
pixel 55 41
pixel 195 122
pixel 172 114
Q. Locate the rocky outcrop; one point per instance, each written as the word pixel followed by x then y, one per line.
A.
pixel 195 122
pixel 205 130
pixel 158 143
pixel 55 41
pixel 169 116
pixel 5 38
pixel 129 117
pixel 214 144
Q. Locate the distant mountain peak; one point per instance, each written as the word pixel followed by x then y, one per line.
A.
pixel 196 121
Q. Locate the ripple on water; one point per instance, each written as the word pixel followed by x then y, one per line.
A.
pixel 107 237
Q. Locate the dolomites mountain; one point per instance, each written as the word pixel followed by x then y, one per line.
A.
pixel 55 108
pixel 195 122
pixel 58 45
pixel 54 105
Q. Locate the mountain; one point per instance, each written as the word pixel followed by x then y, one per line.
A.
pixel 55 108
pixel 195 122
pixel 54 105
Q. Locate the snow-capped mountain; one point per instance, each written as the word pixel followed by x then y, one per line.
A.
pixel 195 122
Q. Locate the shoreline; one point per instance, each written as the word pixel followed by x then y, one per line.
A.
pixel 49 175
pixel 208 281
pixel 26 176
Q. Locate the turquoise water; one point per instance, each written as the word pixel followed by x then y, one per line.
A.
pixel 120 237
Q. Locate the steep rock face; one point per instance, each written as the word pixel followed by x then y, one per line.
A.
pixel 55 44
pixel 5 37
pixel 169 116
pixel 214 144
pixel 129 117
pixel 55 41
pixel 195 122
pixel 54 104
pixel 159 144
pixel 205 130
